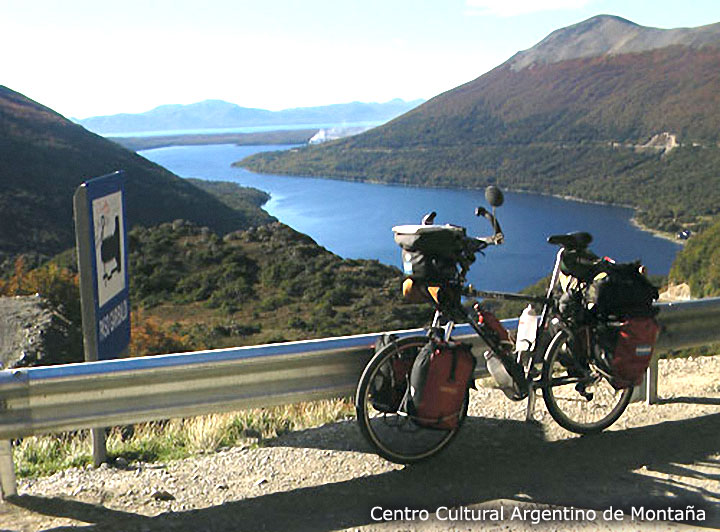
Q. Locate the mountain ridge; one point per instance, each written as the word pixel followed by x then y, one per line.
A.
pixel 215 114
pixel 610 35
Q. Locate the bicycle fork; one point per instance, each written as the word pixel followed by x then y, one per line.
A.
pixel 447 328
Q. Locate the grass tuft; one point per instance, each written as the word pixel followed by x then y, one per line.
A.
pixel 160 441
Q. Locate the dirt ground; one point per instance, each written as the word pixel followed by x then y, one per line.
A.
pixel 657 468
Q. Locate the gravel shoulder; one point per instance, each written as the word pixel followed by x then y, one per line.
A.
pixel 654 458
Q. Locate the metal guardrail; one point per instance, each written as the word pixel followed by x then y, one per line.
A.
pixel 116 392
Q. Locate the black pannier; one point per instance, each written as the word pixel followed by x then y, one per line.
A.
pixel 430 252
pixel 623 292
pixel 389 386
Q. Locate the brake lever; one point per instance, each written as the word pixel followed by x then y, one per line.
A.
pixel 498 237
pixel 495 240
pixel 429 218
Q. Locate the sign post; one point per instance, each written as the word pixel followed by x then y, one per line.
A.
pixel 100 234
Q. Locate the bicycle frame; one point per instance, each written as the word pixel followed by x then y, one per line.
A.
pixel 548 305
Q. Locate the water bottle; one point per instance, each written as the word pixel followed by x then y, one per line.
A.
pixel 502 376
pixel 527 330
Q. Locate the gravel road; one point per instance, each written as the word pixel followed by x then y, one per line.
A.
pixel 501 471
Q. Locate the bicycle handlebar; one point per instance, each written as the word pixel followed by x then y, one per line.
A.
pixel 497 238
pixel 475 244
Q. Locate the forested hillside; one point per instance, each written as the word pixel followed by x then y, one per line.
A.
pixel 193 289
pixel 638 128
pixel 265 284
pixel 44 157
pixel 698 264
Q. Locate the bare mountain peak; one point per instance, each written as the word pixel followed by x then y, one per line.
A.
pixel 610 35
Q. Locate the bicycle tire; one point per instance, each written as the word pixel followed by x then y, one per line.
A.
pixel 588 410
pixel 394 435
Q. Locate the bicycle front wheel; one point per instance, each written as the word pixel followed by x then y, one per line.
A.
pixel 578 396
pixel 394 434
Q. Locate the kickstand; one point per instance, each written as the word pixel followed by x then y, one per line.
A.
pixel 530 413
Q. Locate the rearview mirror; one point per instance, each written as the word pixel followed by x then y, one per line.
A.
pixel 494 196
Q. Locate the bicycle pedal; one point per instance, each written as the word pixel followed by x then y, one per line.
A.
pixel 580 388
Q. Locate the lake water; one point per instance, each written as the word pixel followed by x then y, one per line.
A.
pixel 354 220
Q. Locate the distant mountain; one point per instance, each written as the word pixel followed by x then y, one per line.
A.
pixel 44 157
pixel 214 114
pixel 604 110
pixel 609 35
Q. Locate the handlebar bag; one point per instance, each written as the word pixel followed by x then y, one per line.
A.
pixel 430 252
pixel 439 380
pixel 428 268
pixel 631 344
pixel 446 241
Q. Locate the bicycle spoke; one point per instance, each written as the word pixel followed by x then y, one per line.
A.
pixel 395 434
pixel 581 404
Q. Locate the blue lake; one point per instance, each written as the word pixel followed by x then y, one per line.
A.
pixel 354 220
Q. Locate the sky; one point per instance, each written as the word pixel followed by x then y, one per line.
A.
pixel 98 57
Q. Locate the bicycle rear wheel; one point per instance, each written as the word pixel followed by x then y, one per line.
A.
pixel 394 434
pixel 578 396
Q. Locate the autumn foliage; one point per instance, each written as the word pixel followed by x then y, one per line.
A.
pixel 148 336
pixel 58 285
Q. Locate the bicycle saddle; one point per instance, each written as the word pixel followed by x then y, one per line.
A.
pixel 579 240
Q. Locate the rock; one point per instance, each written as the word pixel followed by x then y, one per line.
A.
pixel 679 292
pixel 162 495
pixel 32 333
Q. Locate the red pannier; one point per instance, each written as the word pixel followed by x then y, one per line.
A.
pixel 635 339
pixel 439 380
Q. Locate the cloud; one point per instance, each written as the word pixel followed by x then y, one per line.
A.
pixel 511 8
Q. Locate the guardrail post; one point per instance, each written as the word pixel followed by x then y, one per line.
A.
pixel 99 446
pixel 639 393
pixel 7 470
pixel 651 382
pixel 646 391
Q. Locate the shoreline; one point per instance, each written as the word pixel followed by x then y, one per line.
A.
pixel 659 234
pixel 633 219
pixel 265 138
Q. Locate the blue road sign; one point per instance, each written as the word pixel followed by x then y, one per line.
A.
pixel 100 213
